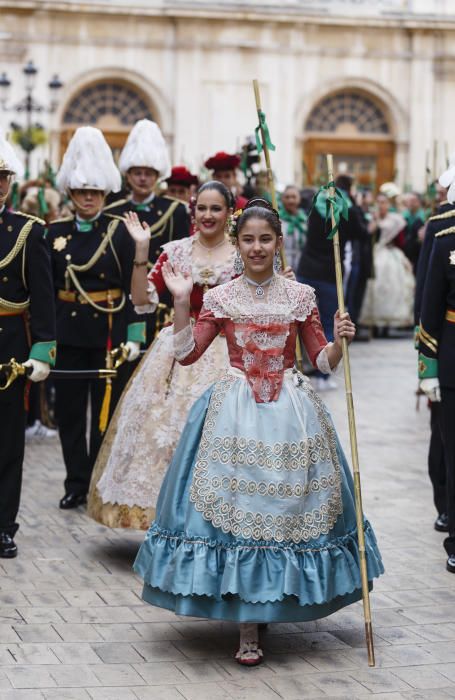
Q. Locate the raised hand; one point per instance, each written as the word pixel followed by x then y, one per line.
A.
pixel 140 233
pixel 180 284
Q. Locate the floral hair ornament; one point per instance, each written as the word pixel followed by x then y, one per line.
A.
pixel 233 221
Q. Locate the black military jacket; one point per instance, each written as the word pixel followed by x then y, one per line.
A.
pixel 167 216
pixel 437 326
pixel 80 324
pixel 25 273
pixel 444 217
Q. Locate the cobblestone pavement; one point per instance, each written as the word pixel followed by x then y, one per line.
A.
pixel 73 626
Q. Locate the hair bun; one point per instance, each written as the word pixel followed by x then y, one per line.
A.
pixel 261 203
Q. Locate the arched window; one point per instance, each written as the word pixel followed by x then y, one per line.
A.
pixel 347 113
pixel 107 99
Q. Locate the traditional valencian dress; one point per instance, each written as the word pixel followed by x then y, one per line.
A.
pixel 149 419
pixel 389 298
pixel 255 520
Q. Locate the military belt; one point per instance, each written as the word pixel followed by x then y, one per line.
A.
pixel 16 312
pixel 104 295
pixel 450 315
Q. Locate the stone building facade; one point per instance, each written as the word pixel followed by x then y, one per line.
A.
pixel 373 82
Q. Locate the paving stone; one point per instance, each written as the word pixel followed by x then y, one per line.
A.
pixel 421 678
pixel 66 694
pixel 158 692
pixel 78 632
pixel 117 653
pixel 30 677
pixel 160 673
pixel 36 633
pixel 75 653
pixel 117 675
pixel 73 676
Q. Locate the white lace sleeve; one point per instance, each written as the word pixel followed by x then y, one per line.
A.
pixel 183 343
pixel 153 301
pixel 322 362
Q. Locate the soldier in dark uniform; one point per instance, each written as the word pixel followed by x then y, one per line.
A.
pixel 443 218
pixel 437 357
pixel 27 330
pixel 143 160
pixel 92 261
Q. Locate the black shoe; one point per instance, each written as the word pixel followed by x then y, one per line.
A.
pixel 451 563
pixel 8 548
pixel 72 500
pixel 441 524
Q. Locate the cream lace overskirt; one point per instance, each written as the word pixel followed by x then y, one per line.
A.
pixel 144 431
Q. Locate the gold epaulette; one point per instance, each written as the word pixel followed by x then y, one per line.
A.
pixel 174 199
pixel 63 220
pixel 30 216
pixel 445 215
pixel 446 232
pixel 117 203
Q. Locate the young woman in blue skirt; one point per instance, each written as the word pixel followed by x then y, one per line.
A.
pixel 255 520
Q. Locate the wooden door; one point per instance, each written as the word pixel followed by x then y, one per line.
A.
pixel 369 162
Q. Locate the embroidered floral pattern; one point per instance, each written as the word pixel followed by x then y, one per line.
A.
pixel 211 489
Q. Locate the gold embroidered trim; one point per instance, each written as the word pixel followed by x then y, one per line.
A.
pixel 445 215
pixel 445 232
pixel 428 339
pixel 257 525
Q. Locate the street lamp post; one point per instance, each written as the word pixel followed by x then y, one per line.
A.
pixel 28 104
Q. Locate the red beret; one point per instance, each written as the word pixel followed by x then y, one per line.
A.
pixel 180 175
pixel 223 161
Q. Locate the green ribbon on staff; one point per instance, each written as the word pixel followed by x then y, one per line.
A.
pixel 43 206
pixel 262 126
pixel 340 203
pixel 15 196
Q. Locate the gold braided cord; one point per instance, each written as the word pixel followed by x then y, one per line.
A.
pixel 72 269
pixel 426 335
pixel 429 344
pixel 6 305
pixel 445 232
pixel 158 227
pixel 19 244
pixel 445 215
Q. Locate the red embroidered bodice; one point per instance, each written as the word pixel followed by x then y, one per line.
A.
pixel 261 337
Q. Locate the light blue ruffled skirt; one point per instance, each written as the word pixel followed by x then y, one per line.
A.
pixel 255 520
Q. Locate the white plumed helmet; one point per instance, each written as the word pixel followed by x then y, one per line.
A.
pixel 8 158
pixel 88 163
pixel 145 147
pixel 447 179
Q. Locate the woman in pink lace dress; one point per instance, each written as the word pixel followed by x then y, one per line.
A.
pixel 148 421
pixel 255 519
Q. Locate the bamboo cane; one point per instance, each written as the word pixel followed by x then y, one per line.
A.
pixel 265 148
pixel 352 435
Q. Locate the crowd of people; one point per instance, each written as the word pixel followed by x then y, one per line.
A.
pixel 169 310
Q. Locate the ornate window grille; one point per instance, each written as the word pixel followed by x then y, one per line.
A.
pixel 107 98
pixel 334 112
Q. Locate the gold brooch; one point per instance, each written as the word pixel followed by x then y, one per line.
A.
pixel 60 243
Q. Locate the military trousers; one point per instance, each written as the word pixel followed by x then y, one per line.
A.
pixel 447 422
pixel 12 441
pixel 78 407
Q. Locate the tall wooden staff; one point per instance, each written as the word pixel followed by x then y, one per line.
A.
pixel 352 428
pixel 265 140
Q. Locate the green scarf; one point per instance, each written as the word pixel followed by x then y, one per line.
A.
pixel 412 218
pixel 295 222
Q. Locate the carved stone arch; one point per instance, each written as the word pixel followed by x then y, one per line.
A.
pixel 113 100
pixel 359 123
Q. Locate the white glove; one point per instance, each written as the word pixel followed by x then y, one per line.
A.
pixel 40 370
pixel 134 349
pixel 431 388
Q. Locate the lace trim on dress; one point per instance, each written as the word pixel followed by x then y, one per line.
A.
pixel 181 253
pixel 286 300
pixel 153 300
pixel 322 362
pixel 183 343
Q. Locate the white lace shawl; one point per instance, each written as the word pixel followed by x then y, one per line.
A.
pixel 286 301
